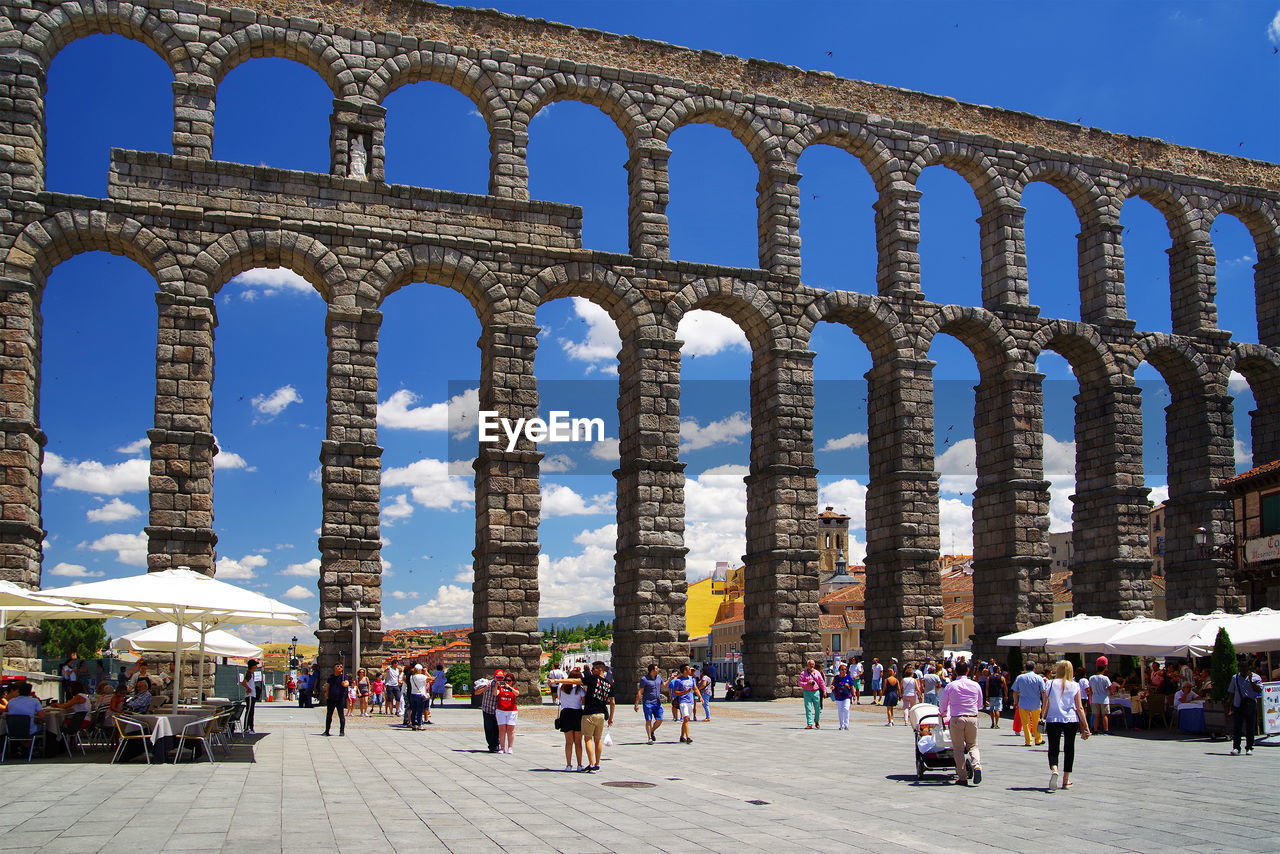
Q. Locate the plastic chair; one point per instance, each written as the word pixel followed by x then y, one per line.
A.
pixel 203 735
pixel 21 723
pixel 124 724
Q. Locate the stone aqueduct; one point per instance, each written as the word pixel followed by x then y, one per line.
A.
pixel 194 223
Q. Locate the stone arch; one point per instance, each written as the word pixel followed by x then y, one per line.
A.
pixel 1259 365
pixel 971 163
pixel 747 127
pixel 1080 344
pixel 743 302
pixel 441 266
pixel 1090 202
pixel 65 23
pixel 1259 218
pixel 609 96
pixel 1177 208
pixel 1184 369
pixel 854 138
pixel 43 245
pixel 255 41
pixel 627 305
pixel 870 318
pixel 992 345
pixel 234 253
pixel 457 72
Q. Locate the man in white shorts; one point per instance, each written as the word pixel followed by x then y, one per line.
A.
pixel 684 691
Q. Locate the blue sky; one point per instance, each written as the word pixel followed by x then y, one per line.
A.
pixel 1192 73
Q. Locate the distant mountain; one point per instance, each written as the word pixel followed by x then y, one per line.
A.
pixel 586 618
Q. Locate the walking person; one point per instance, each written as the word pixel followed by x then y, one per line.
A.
pixel 507 712
pixel 438 683
pixel 961 700
pixel 379 687
pixel 710 669
pixel 1029 690
pixel 910 691
pixel 877 676
pixel 249 685
pixel 1100 697
pixel 364 688
pixel 649 695
pixel 684 692
pixel 419 687
pixel 814 685
pixel 1064 716
pixel 842 692
pixel 554 677
pixel 306 684
pixel 997 690
pixel 892 693
pixel 705 686
pixel 1242 706
pixel 855 673
pixel 336 700
pixel 569 698
pixel 391 688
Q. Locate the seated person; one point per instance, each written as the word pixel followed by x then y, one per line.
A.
pixel 1186 695
pixel 25 704
pixel 140 702
pixel 102 697
pixel 77 699
pixel 8 693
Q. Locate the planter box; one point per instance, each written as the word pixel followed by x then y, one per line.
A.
pixel 1215 719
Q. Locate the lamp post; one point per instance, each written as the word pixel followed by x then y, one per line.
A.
pixel 355 612
pixel 1206 540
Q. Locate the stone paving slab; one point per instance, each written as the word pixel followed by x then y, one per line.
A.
pixel 383 788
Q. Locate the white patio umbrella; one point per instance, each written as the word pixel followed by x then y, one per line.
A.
pixel 183 597
pixel 167 637
pixel 1041 635
pixel 1256 631
pixel 1188 635
pixel 1095 639
pixel 18 603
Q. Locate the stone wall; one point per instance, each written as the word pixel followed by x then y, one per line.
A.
pixel 194 223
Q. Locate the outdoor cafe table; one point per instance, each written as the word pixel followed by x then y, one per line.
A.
pixel 165 730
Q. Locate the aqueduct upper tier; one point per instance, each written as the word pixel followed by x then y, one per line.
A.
pixel 194 223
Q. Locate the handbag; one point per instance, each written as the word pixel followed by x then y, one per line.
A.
pixel 556 723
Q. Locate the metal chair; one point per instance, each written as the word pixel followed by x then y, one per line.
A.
pixel 70 732
pixel 124 724
pixel 21 723
pixel 203 735
pixel 219 732
pixel 235 716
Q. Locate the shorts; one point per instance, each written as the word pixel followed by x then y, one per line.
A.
pixel 686 712
pixel 593 725
pixel 377 699
pixel 996 704
pixel 875 684
pixel 857 684
pixel 507 718
pixel 1101 708
pixel 571 720
pixel 653 711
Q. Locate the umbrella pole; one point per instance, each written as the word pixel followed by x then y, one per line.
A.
pixel 203 631
pixel 177 671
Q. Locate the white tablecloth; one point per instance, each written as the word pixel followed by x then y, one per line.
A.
pixel 164 726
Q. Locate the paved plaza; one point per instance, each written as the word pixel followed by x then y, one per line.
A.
pixel 753 780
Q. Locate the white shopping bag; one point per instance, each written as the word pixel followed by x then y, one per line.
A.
pixel 608 739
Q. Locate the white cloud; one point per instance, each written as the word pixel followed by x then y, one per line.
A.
pixel 269 282
pixel 458 414
pixel 226 461
pixel 844 443
pixel 400 594
pixel 228 567
pixel 1237 384
pixel 556 464
pixel 715 519
pixel 1060 471
pixel 1273 30
pixel 431 485
pixel 451 604
pixel 726 431
pixel 114 510
pixel 310 569
pixel 1158 494
pixel 601 344
pixel 93 476
pixel 957 469
pixel 559 500
pixel 848 496
pixel 579 582
pixel 130 549
pixel 955 527
pixel 605 449
pixel 73 570
pixel 399 509
pixel 297 591
pixel 279 634
pixel 1244 454
pixel 138 446
pixel 706 333
pixel 271 405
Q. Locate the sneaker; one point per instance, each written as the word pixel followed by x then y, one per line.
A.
pixel 326 733
pixel 688 741
pixel 960 782
pixel 977 776
pixel 342 734
pixel 1235 751
pixel 817 726
pixel 568 767
pixel 579 768
pixel 1248 751
pixel 511 750
pixel 651 739
pixel 1053 782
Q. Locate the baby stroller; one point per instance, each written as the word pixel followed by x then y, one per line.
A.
pixel 931 742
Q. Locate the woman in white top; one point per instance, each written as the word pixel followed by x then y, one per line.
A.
pixel 1064 715
pixel 418 692
pixel 910 690
pixel 570 719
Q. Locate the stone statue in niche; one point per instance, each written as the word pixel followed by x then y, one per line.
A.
pixel 359 158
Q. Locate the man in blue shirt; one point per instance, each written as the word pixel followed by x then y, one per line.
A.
pixel 684 693
pixel 649 694
pixel 1029 689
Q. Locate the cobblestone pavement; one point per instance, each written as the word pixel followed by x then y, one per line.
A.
pixel 753 780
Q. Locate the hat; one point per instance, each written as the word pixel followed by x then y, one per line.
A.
pixel 1102 661
pixel 498 674
pixel 417 667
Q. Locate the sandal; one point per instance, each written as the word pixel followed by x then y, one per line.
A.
pixel 1067 785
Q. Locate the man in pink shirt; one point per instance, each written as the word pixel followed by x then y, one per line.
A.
pixel 961 700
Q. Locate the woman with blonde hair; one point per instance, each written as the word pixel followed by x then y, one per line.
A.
pixel 1064 716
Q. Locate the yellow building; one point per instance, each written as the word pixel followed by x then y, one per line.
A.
pixel 700 608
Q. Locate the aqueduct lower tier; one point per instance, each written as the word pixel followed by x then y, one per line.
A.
pixel 194 223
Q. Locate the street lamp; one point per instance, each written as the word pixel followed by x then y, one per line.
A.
pixel 1226 550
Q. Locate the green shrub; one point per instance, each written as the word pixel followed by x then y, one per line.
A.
pixel 1223 666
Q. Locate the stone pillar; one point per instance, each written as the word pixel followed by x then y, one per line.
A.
pixel 1192 285
pixel 898 241
pixel 904 590
pixel 1004 258
pixel 781 565
pixel 1011 567
pixel 193 104
pixel 1200 436
pixel 509 163
pixel 778 219
pixel 649 592
pixel 1101 254
pixel 508 508
pixel 648 190
pixel 21 534
pixel 1266 289
pixel 352 119
pixel 180 530
pixel 22 91
pixel 1264 431
pixel 351 485
pixel 1111 569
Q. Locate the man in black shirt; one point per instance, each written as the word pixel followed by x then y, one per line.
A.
pixel 597 710
pixel 336 700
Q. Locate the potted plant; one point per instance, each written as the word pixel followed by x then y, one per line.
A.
pixel 1222 667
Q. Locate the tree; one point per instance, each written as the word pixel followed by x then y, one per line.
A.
pixel 85 638
pixel 1013 664
pixel 458 675
pixel 1223 666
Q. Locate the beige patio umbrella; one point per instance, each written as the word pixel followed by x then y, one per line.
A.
pixel 20 603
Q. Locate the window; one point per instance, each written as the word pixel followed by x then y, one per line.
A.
pixel 1270 514
pixel 955 635
pixel 835 643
